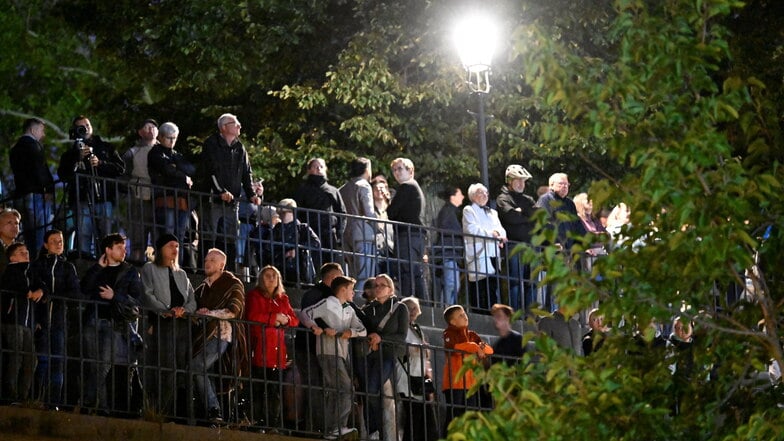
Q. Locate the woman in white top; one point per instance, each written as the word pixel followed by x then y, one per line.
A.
pixel 484 235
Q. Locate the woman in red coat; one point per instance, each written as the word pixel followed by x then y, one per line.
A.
pixel 268 305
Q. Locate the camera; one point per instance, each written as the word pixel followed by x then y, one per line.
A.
pixel 78 132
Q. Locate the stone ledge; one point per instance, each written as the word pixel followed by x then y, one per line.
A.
pixel 17 423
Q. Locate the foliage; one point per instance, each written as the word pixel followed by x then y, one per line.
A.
pixel 704 184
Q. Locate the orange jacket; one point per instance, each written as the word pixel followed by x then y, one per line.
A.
pixel 460 339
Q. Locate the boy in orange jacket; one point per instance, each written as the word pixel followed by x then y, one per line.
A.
pixel 459 341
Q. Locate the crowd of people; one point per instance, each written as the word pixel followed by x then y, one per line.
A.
pixel 139 311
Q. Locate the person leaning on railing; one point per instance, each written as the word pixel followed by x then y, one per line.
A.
pixel 169 296
pixel 270 313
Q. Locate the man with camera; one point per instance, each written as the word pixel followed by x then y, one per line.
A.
pixel 85 168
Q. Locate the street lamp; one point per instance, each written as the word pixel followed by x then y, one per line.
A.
pixel 475 39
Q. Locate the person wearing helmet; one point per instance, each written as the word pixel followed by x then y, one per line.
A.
pixel 515 210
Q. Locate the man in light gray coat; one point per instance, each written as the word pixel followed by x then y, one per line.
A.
pixel 359 239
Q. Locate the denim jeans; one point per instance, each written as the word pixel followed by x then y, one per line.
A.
pixel 363 262
pixel 201 363
pixel 103 346
pixel 374 371
pixel 225 228
pixel 519 293
pixel 451 281
pixel 38 214
pixel 94 223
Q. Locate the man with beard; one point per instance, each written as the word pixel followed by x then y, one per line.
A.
pixel 515 210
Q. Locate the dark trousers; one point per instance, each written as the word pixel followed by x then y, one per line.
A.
pixel 410 248
pixel 20 361
pixel 456 404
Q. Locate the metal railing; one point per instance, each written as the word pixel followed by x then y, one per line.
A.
pixel 147 368
pixel 412 254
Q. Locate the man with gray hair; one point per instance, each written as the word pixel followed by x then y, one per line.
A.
pixel 225 173
pixel 555 201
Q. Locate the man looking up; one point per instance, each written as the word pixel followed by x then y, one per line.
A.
pixel 226 173
pixel 34 182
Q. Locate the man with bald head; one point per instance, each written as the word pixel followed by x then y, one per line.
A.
pixel 219 298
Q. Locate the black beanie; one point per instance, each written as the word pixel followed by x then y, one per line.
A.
pixel 164 239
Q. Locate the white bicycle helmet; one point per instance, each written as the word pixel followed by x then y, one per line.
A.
pixel 515 171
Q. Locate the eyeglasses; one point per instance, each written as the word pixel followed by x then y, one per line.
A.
pixel 237 123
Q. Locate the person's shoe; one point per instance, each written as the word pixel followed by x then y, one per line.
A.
pixel 375 435
pixel 214 415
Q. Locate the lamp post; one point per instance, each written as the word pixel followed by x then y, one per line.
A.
pixel 475 40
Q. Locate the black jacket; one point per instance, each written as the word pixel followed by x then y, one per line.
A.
pixel 518 224
pixel 72 165
pixel 449 244
pixel 393 334
pixel 317 194
pixel 124 281
pixel 169 168
pixel 294 236
pixel 17 280
pixel 225 167
pixel 28 163
pixel 555 204
pixel 60 280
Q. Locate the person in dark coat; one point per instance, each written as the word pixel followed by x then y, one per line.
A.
pixel 20 291
pixel 61 291
pixel 169 168
pixel 515 210
pixel 33 181
pixel 84 167
pixel 408 206
pixel 110 285
pixel 225 173
pixel 317 194
pixel 292 244
pixel 449 245
pixel 386 320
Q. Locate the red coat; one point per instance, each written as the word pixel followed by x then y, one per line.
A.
pixel 268 342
